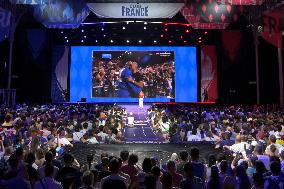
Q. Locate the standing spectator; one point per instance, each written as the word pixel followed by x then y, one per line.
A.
pixel 214 181
pixel 131 169
pixel 48 160
pixel 272 140
pixel 177 178
pixel 48 181
pixel 258 181
pixel 191 181
pixel 124 157
pixel 32 172
pixel 68 175
pixel 260 156
pixel 243 181
pixel 183 156
pixel 105 169
pixel 87 180
pixel 150 182
pixel 275 180
pixel 199 169
pixel 114 179
pixel 146 169
pixel 157 173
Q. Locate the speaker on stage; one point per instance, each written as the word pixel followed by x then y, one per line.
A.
pixel 83 99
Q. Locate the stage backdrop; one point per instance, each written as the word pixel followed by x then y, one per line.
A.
pixel 209 90
pixel 81 73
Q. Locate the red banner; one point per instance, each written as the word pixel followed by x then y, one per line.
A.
pixel 208 14
pixel 209 91
pixel 240 2
pixel 273 26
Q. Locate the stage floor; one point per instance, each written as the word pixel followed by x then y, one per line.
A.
pixel 162 151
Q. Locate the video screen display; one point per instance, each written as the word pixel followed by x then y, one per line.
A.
pixel 133 74
pixel 127 73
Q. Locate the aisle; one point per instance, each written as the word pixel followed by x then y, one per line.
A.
pixel 142 131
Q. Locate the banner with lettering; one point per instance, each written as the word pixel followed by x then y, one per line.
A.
pixel 5 19
pixel 209 92
pixel 208 14
pixel 135 10
pixel 273 26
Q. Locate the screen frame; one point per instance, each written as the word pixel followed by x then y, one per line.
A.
pixel 198 73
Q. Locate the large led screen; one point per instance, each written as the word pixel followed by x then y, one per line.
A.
pixel 124 74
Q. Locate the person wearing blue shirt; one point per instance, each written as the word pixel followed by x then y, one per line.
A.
pixel 126 87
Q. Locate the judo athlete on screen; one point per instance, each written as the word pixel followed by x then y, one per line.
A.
pixel 128 87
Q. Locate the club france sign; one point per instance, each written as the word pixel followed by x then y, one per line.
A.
pixel 135 10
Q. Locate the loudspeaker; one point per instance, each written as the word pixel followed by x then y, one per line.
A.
pixel 83 99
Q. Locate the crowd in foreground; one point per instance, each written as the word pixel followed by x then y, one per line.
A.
pixel 255 170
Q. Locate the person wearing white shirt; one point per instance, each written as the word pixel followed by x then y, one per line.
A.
pixel 192 136
pixel 240 146
pixel 102 134
pixel 272 140
pixel 48 181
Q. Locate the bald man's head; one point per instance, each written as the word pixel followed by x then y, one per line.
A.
pixel 238 139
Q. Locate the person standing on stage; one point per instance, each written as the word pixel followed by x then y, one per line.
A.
pixel 127 87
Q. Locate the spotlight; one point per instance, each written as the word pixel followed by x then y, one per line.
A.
pixel 140 41
pixel 67 40
pixel 123 28
pixel 145 23
pixel 145 28
pixel 205 32
pixel 104 35
pixel 199 38
pixel 96 41
pixel 82 31
pixel 85 36
pixel 82 41
pixel 170 41
pixel 166 29
pixel 61 32
pixel 65 37
pixel 199 41
pixel 111 41
pixel 102 29
pixel 155 41
pixel 162 35
pixel 187 31
pixel 127 41
pixel 181 37
pixel 184 41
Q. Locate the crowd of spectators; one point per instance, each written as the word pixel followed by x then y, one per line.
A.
pixel 220 125
pixel 34 140
pixel 158 78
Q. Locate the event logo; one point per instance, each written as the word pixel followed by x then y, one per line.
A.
pixel 134 10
